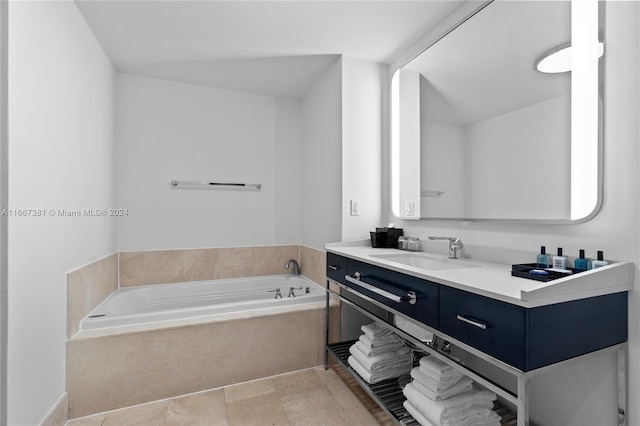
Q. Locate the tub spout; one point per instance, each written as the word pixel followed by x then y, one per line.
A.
pixel 296 267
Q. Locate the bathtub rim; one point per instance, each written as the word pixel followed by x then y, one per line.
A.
pixel 201 319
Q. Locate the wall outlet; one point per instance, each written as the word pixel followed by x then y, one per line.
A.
pixel 409 209
pixel 355 208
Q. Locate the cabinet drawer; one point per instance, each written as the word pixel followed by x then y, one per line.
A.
pixel 336 267
pixel 394 283
pixel 496 328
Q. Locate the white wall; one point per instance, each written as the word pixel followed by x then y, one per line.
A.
pixel 60 147
pixel 361 146
pixel 167 130
pixel 518 166
pixel 615 229
pixel 322 160
pixel 443 168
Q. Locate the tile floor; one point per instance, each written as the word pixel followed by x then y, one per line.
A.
pixel 307 397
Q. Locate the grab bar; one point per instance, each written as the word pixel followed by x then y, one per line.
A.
pixel 177 183
pixel 410 297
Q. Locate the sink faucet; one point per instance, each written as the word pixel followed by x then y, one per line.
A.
pixel 455 244
pixel 296 267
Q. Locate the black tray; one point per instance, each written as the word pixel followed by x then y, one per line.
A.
pixel 523 270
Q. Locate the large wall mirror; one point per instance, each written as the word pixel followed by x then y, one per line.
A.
pixel 481 130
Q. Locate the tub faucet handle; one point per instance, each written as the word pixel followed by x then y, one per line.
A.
pixel 296 267
pixel 291 293
pixel 277 291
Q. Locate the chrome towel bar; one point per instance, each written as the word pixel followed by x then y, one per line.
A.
pixel 178 183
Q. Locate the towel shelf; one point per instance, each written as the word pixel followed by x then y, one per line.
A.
pixel 214 185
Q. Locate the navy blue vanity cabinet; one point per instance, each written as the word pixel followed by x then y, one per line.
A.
pixel 425 308
pixel 530 338
pixel 336 268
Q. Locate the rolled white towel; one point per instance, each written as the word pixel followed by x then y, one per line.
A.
pixel 439 411
pixel 382 361
pixel 376 377
pixel 437 385
pixel 463 385
pixel 416 414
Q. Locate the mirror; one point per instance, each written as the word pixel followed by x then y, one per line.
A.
pixel 479 134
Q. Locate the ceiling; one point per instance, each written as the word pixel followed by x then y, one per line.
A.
pixel 276 48
pixel 485 68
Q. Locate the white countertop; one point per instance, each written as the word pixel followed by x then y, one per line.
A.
pixel 494 280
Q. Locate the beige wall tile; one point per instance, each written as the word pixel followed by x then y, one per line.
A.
pixel 200 264
pixel 132 268
pixel 122 370
pixel 87 287
pixel 163 266
pixel 270 260
pixel 313 264
pixel 234 263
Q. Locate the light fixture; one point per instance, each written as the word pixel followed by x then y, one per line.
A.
pixel 559 59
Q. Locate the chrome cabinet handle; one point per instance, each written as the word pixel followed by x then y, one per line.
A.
pixel 333 268
pixel 410 297
pixel 474 323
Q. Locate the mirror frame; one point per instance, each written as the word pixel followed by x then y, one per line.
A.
pixel 458 18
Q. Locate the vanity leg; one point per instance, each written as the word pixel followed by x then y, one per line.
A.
pixel 523 400
pixel 326 330
pixel 622 385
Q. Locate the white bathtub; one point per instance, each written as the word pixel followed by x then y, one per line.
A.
pixel 166 302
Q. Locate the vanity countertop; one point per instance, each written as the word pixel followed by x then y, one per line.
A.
pixel 494 280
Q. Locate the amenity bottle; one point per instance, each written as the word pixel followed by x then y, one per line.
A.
pixel 581 264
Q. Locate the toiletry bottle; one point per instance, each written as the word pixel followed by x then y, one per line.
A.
pixel 559 261
pixel 543 258
pixel 600 262
pixel 581 264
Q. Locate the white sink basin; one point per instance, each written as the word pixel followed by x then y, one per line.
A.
pixel 423 261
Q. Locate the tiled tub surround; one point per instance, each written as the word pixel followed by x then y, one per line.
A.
pixel 133 367
pixel 87 287
pixel 116 371
pixel 175 266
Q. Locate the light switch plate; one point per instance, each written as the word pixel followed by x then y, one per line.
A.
pixel 354 208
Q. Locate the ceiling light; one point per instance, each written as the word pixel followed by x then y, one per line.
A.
pixel 559 59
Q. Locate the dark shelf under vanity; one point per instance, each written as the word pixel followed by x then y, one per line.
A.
pixel 388 393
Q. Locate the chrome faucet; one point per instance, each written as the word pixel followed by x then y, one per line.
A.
pixel 455 244
pixel 296 267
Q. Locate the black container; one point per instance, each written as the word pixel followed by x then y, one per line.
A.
pixel 385 237
pixel 378 239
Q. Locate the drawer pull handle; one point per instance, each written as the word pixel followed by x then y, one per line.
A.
pixel 333 268
pixel 472 322
pixel 410 297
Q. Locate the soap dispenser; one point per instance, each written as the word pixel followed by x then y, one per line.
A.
pixel 581 264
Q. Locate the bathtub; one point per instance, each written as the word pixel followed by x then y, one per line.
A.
pixel 170 302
